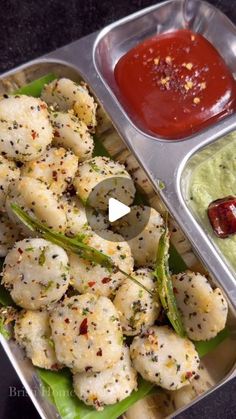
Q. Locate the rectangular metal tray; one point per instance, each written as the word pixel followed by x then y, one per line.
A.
pixel 162 160
pixel 193 162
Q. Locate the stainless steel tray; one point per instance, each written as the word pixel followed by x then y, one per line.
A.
pixel 93 58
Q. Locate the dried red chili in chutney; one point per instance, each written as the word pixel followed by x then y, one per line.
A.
pixel 175 84
pixel 222 216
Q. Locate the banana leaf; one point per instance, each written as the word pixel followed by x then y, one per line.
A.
pixel 70 407
pixel 99 149
pixel 35 87
pixel 5 298
pixel 203 347
pixel 176 263
pixel 58 385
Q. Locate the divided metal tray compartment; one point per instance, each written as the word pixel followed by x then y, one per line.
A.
pixel 161 159
pixel 164 160
pixel 193 162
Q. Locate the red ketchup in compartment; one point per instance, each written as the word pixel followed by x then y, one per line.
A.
pixel 174 84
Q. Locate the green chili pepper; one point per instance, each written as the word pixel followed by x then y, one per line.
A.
pixel 74 245
pixel 164 283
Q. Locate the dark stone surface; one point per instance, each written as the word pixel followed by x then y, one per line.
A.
pixel 29 29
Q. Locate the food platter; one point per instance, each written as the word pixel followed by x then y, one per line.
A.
pixel 165 163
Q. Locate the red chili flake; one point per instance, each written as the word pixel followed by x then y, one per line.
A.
pixel 34 134
pixel 43 106
pixel 83 329
pixel 56 134
pixel 106 280
pixel 175 290
pixel 55 366
pixel 67 321
pixel 96 402
pixel 91 283
pixel 20 250
pixel 188 375
pixel 99 352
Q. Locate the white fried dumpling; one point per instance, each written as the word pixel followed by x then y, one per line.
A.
pixel 25 130
pixel 71 133
pixel 56 167
pixel 200 384
pixel 33 333
pixel 144 245
pixel 204 310
pixel 89 277
pixel 9 234
pixel 91 172
pixel 141 180
pixel 164 358
pixel 154 406
pixel 109 386
pixel 87 333
pixel 67 95
pixel 8 172
pixel 78 217
pixel 38 200
pixel 137 309
pixel 36 273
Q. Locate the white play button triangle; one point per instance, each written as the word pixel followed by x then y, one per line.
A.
pixel 116 210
